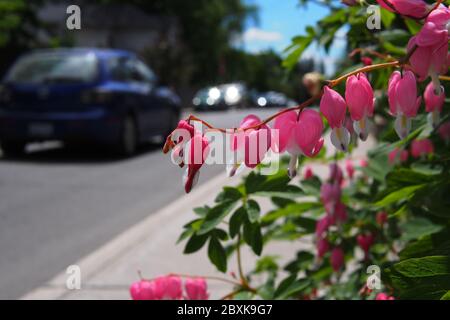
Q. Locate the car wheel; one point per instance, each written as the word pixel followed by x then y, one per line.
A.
pixel 129 137
pixel 12 148
pixel 172 123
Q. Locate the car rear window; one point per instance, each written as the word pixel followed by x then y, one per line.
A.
pixel 55 68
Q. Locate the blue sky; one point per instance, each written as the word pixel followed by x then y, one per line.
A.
pixel 279 21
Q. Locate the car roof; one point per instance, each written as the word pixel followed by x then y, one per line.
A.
pixel 100 53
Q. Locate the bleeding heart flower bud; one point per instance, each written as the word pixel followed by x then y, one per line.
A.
pixel 421 148
pixel 382 218
pixel 196 289
pixel 330 194
pixel 308 173
pixel 350 168
pixel 336 174
pixel 384 296
pixel 322 226
pixel 433 103
pixel 444 131
pixel 299 134
pixel 333 107
pixel 411 8
pixel 337 259
pixel 322 247
pixel 361 103
pixel 365 241
pixel 398 155
pixel 403 100
pixel 367 61
pixel 340 213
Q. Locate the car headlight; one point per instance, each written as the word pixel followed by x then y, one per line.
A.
pixel 232 95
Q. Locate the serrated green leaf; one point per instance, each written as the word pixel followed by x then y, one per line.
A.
pixel 236 221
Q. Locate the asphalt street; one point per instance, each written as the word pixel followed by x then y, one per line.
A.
pixel 58 204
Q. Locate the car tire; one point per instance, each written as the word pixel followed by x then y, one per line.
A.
pixel 12 148
pixel 172 123
pixel 128 140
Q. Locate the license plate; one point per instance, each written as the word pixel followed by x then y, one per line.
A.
pixel 41 129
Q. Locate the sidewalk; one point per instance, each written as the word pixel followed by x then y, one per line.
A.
pixel 149 246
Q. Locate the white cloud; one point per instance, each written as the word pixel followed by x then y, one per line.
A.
pixel 255 34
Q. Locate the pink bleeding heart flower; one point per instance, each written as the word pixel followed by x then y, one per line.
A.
pixel 322 247
pixel 168 288
pixel 350 168
pixel 177 141
pixel 340 213
pixel 197 150
pixel 444 131
pixel 196 289
pixel 384 296
pixel 398 155
pixel 361 103
pixel 430 57
pixel 330 194
pixel 143 290
pixel 309 174
pixel 337 259
pixel 382 218
pixel 365 241
pixel 333 107
pixel 411 8
pixel 299 134
pixel 421 148
pixel 322 226
pixel 433 103
pixel 250 145
pixel 403 100
pixel 363 163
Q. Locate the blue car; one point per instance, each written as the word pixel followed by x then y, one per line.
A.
pixel 100 96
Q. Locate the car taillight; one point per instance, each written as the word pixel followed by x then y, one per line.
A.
pixel 96 97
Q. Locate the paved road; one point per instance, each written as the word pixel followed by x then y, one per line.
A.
pixel 59 205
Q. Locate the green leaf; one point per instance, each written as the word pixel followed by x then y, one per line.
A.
pixel 421 278
pixel 217 255
pixel 229 194
pixel 291 210
pixel 429 245
pixel 412 25
pixel 290 287
pixel 201 211
pixel 216 215
pixel 253 236
pixel 387 17
pixel 300 44
pixel 236 221
pixel 446 296
pixel 253 210
pixel 418 227
pixel 399 195
pixel 195 243
pixel 307 224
